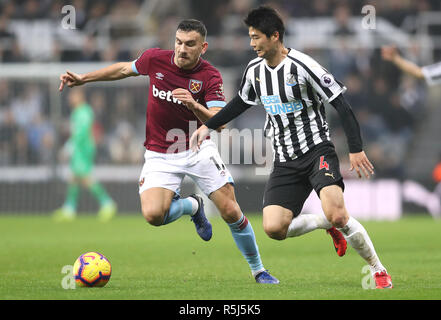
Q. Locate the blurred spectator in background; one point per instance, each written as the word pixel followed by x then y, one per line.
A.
pixel 96 17
pixel 41 137
pixel 342 14
pixel 89 51
pixel 10 50
pixel 8 132
pixel 124 146
pixel 27 105
pixel 32 9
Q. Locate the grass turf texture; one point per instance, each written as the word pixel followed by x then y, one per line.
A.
pixel 173 263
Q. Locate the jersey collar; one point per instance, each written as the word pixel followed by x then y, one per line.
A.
pixel 276 68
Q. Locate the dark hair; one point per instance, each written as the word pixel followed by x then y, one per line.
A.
pixel 266 20
pixel 193 25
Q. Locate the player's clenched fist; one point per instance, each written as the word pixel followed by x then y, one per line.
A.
pixel 70 79
pixel 185 97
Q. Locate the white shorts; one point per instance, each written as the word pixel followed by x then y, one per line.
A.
pixel 167 170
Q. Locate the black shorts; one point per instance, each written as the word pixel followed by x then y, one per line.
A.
pixel 290 183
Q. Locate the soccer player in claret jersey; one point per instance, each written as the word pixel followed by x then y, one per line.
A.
pixel 293 88
pixel 185 91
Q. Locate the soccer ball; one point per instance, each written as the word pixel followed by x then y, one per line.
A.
pixel 92 269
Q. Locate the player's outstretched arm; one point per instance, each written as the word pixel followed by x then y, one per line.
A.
pixel 115 71
pixel 357 158
pixel 390 53
pixel 232 110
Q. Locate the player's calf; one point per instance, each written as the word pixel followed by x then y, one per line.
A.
pixel 229 210
pixel 226 203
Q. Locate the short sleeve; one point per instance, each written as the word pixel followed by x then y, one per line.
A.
pixel 247 91
pixel 142 64
pixel 432 73
pixel 214 96
pixel 323 82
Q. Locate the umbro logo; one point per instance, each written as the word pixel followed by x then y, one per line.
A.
pixel 159 76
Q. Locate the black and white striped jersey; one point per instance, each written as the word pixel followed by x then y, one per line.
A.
pixel 293 95
pixel 432 73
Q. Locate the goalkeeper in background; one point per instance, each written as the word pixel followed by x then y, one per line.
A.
pixel 81 146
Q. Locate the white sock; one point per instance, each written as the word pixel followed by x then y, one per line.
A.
pixel 305 223
pixel 357 236
pixel 194 205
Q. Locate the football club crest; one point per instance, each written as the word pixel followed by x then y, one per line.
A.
pixel 195 86
pixel 291 80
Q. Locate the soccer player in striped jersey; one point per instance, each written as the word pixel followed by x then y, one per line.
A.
pixel 293 88
pixel 184 91
pixel 431 73
pixel 412 190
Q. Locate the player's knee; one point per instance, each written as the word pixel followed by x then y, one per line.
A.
pixel 336 213
pixel 153 216
pixel 274 231
pixel 339 218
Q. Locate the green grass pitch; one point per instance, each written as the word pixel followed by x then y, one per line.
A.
pixel 172 263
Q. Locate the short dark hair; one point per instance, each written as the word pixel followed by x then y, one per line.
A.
pixel 193 25
pixel 266 20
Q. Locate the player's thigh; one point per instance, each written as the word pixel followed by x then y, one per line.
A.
pixel 155 202
pixel 81 165
pixel 288 188
pixel 276 220
pixel 324 169
pixel 327 181
pixel 159 182
pixel 225 200
pixel 208 170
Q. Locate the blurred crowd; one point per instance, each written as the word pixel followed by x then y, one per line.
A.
pixel 29 134
pixel 388 105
